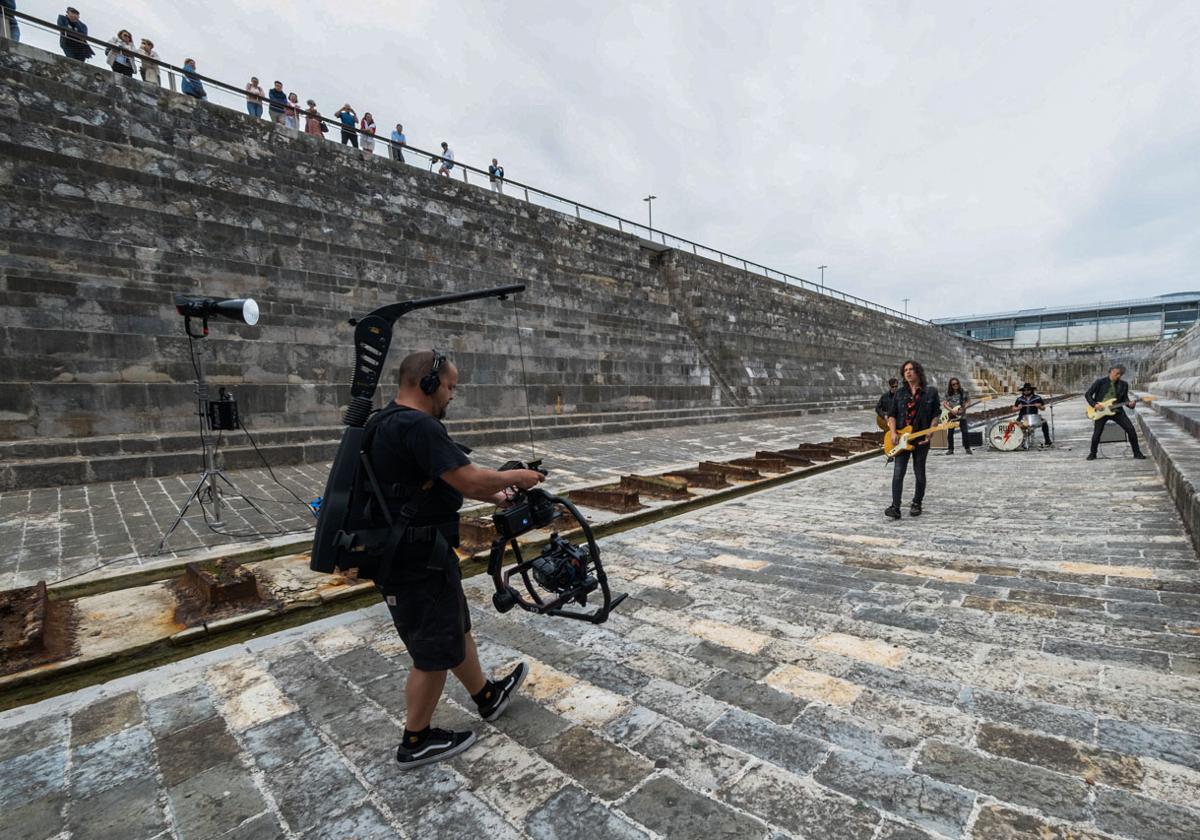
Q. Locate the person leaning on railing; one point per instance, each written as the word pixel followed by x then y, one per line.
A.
pixel 254 98
pixel 192 85
pixel 74 34
pixel 398 142
pixel 312 120
pixel 119 54
pixel 149 63
pixel 291 111
pixel 277 100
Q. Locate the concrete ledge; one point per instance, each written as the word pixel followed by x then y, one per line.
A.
pixel 1175 451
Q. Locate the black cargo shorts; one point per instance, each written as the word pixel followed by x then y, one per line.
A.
pixel 423 591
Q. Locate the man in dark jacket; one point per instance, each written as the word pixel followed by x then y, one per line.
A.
pixel 883 408
pixel 1107 388
pixel 73 38
pixel 420 466
pixel 916 404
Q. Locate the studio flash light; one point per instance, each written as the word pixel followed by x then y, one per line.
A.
pixel 235 309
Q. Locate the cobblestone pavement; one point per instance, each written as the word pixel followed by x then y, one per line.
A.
pixel 64 531
pixel 1021 661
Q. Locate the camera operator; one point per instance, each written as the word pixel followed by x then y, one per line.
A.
pixel 416 463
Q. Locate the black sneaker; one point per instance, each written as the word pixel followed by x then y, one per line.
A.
pixel 503 691
pixel 969 452
pixel 439 744
pixel 892 512
pixel 914 509
pixel 1091 456
pixel 1138 456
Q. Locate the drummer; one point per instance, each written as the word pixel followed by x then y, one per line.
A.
pixel 1029 404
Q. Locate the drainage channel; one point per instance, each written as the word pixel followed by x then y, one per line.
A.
pixel 57 640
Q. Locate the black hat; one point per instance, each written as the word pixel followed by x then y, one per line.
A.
pixel 1027 387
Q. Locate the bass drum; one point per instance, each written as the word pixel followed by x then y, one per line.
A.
pixel 1006 435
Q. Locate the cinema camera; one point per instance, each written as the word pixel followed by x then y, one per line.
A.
pixel 565 572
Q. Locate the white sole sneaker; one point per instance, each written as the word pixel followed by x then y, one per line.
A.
pixel 521 671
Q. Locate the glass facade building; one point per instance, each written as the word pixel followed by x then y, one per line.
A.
pixel 1144 319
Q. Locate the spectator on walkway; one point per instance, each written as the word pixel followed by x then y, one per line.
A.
pixel 349 118
pixel 291 113
pixel 447 160
pixel 73 39
pixel 254 98
pixel 119 54
pixel 496 176
pixel 277 99
pixel 398 142
pixel 312 121
pixel 148 66
pixel 368 131
pixel 192 85
pixel 14 31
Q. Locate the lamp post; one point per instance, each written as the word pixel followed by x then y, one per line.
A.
pixel 650 210
pixel 905 305
pixel 822 268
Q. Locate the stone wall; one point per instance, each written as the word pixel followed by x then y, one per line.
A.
pixel 116 195
pixel 1172 368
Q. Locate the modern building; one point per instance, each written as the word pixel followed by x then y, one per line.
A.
pixel 1144 319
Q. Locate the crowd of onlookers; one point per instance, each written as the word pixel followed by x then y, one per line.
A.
pixel 283 109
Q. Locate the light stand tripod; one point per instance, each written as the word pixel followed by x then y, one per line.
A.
pixel 211 420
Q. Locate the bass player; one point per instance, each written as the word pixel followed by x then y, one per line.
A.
pixel 1115 392
pixel 916 404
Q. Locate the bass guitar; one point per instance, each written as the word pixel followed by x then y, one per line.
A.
pixel 905 438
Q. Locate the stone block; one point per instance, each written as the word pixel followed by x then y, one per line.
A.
pixel 1008 781
pixel 939 807
pixel 674 811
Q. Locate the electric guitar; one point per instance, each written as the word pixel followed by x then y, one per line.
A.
pixel 904 439
pixel 1108 408
pixel 946 416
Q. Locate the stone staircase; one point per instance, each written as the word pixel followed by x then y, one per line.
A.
pixel 1172 432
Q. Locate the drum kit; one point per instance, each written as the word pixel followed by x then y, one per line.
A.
pixel 1009 435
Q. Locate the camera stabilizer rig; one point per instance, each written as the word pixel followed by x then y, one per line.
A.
pixel 566 572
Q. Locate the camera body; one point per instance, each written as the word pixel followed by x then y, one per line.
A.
pixel 530 509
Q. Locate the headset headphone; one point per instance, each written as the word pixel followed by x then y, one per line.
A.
pixel 431 381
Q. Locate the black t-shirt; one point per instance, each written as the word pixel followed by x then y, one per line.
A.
pixel 410 449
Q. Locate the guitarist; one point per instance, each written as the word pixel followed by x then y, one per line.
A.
pixel 1112 388
pixel 955 404
pixel 916 405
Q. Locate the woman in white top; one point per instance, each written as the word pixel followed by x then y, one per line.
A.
pixel 291 112
pixel 368 133
pixel 120 53
pixel 149 69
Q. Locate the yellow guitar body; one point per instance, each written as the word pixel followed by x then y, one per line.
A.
pixel 906 438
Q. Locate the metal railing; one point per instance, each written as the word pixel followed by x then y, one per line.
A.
pixel 531 194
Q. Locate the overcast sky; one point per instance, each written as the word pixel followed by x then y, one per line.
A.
pixel 971 156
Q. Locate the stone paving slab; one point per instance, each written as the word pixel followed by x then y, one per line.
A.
pixel 789 664
pixel 67 531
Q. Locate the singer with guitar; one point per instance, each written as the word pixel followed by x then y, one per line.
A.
pixel 916 405
pixel 955 404
pixel 1105 400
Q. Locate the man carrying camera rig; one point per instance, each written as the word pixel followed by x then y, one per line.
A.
pixel 417 464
